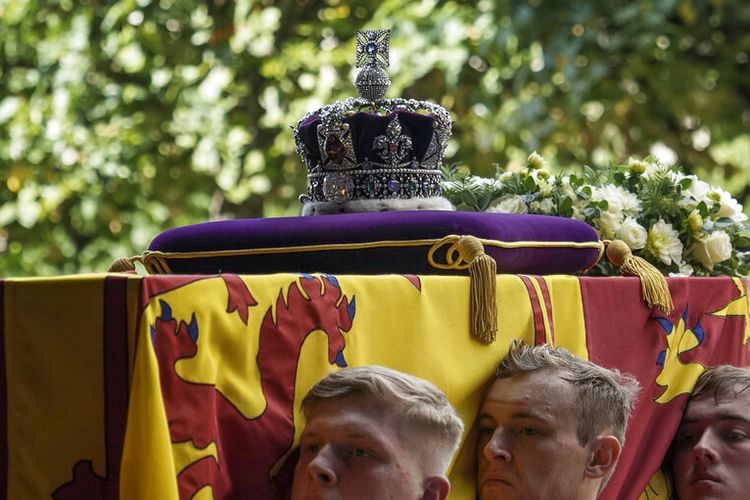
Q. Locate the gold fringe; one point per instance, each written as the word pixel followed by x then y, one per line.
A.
pixel 653 284
pixel 483 284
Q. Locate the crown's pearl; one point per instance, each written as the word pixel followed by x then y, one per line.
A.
pixel 334 149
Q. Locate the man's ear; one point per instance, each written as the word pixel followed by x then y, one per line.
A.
pixel 436 488
pixel 604 452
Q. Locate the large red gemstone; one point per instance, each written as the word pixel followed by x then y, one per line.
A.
pixel 335 150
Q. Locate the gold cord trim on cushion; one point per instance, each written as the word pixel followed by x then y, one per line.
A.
pixel 653 284
pixel 451 262
pixel 156 261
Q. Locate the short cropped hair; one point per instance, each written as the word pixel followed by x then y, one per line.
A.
pixel 605 397
pixel 416 401
pixel 723 382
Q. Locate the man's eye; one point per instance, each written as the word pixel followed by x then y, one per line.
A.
pixel 735 436
pixel 486 431
pixel 360 453
pixel 312 449
pixel 685 440
pixel 528 431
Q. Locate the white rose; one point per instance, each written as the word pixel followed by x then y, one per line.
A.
pixel 729 207
pixel 699 190
pixel 510 204
pixel 546 206
pixel 633 234
pixel 685 270
pixel 664 243
pixel 607 223
pixel 712 249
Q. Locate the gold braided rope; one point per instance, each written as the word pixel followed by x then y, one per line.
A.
pixel 454 261
pixel 156 261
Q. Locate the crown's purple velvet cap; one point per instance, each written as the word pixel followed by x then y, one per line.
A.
pixel 365 127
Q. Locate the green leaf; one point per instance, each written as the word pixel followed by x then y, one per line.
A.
pixel 469 199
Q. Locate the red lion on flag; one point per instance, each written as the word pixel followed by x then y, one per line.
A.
pixel 242 451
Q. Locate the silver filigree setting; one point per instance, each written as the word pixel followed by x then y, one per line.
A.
pixel 393 147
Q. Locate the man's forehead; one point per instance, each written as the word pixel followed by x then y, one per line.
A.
pixel 724 407
pixel 536 393
pixel 353 415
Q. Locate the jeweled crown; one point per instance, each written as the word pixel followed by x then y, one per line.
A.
pixel 371 153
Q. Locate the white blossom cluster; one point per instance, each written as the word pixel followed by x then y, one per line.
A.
pixel 682 225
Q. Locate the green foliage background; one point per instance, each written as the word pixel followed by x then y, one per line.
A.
pixel 119 119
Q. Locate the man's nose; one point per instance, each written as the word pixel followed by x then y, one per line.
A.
pixel 705 450
pixel 322 468
pixel 497 447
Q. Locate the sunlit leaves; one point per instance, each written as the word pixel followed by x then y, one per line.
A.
pixel 120 119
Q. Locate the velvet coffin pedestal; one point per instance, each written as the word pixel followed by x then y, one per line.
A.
pixel 120 386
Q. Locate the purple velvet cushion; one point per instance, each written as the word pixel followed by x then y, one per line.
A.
pixel 350 243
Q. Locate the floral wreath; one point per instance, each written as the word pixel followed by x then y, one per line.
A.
pixel 678 223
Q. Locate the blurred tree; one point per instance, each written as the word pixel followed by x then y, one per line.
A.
pixel 121 119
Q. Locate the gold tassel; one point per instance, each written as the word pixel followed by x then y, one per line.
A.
pixel 121 265
pixel 483 276
pixel 653 284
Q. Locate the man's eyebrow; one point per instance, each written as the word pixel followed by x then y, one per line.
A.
pixel 517 415
pixel 358 434
pixel 723 417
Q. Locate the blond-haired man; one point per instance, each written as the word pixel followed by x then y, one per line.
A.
pixel 551 426
pixel 376 433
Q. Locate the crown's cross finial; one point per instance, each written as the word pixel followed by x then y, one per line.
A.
pixel 372 81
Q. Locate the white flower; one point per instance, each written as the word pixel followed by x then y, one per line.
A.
pixel 695 193
pixel 536 161
pixel 544 185
pixel 510 204
pixel 699 190
pixel 608 223
pixel 729 207
pixel 632 233
pixel 506 176
pixel 621 201
pixel 664 243
pixel 567 189
pixel 685 270
pixel 712 249
pixel 638 166
pixel 546 206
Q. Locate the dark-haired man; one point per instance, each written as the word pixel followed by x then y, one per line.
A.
pixel 711 451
